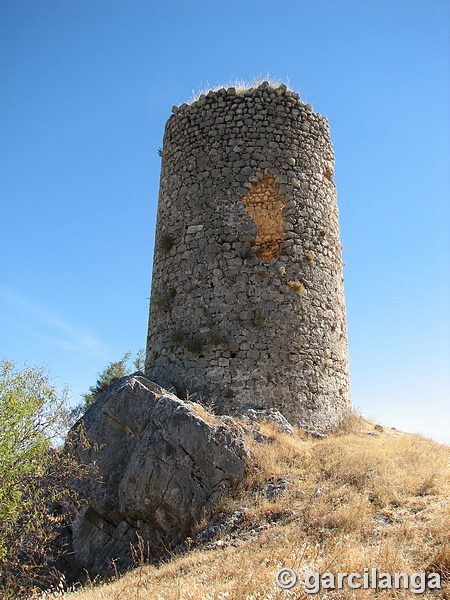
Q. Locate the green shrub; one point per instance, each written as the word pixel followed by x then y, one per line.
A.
pixel 34 477
pixel 163 300
pixel 245 253
pixel 178 336
pixel 216 338
pixel 195 345
pixel 166 242
pixel 260 320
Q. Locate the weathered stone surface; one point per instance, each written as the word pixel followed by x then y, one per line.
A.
pixel 248 198
pixel 161 462
pixel 259 415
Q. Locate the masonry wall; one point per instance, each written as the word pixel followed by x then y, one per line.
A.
pixel 247 303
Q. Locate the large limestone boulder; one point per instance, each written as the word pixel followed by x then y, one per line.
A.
pixel 161 463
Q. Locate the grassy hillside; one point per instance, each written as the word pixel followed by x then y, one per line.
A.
pixel 364 497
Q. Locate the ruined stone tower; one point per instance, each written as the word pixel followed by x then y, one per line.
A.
pixel 247 302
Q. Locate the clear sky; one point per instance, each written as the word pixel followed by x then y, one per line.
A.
pixel 86 88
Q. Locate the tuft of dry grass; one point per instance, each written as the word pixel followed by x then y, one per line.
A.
pixel 205 414
pixel 240 85
pixel 364 497
pixel 297 286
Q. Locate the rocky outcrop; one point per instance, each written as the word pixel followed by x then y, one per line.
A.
pixel 160 463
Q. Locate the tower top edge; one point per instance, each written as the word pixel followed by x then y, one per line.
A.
pixel 226 93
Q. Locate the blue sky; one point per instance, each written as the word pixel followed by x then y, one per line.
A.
pixel 86 88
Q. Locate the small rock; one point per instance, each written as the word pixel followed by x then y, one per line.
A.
pixel 257 415
pixel 194 228
pixel 275 487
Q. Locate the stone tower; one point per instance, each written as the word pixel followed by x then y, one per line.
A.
pixel 247 303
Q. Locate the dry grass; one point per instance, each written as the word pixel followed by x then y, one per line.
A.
pixel 205 414
pixel 240 85
pixel 297 286
pixel 363 497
